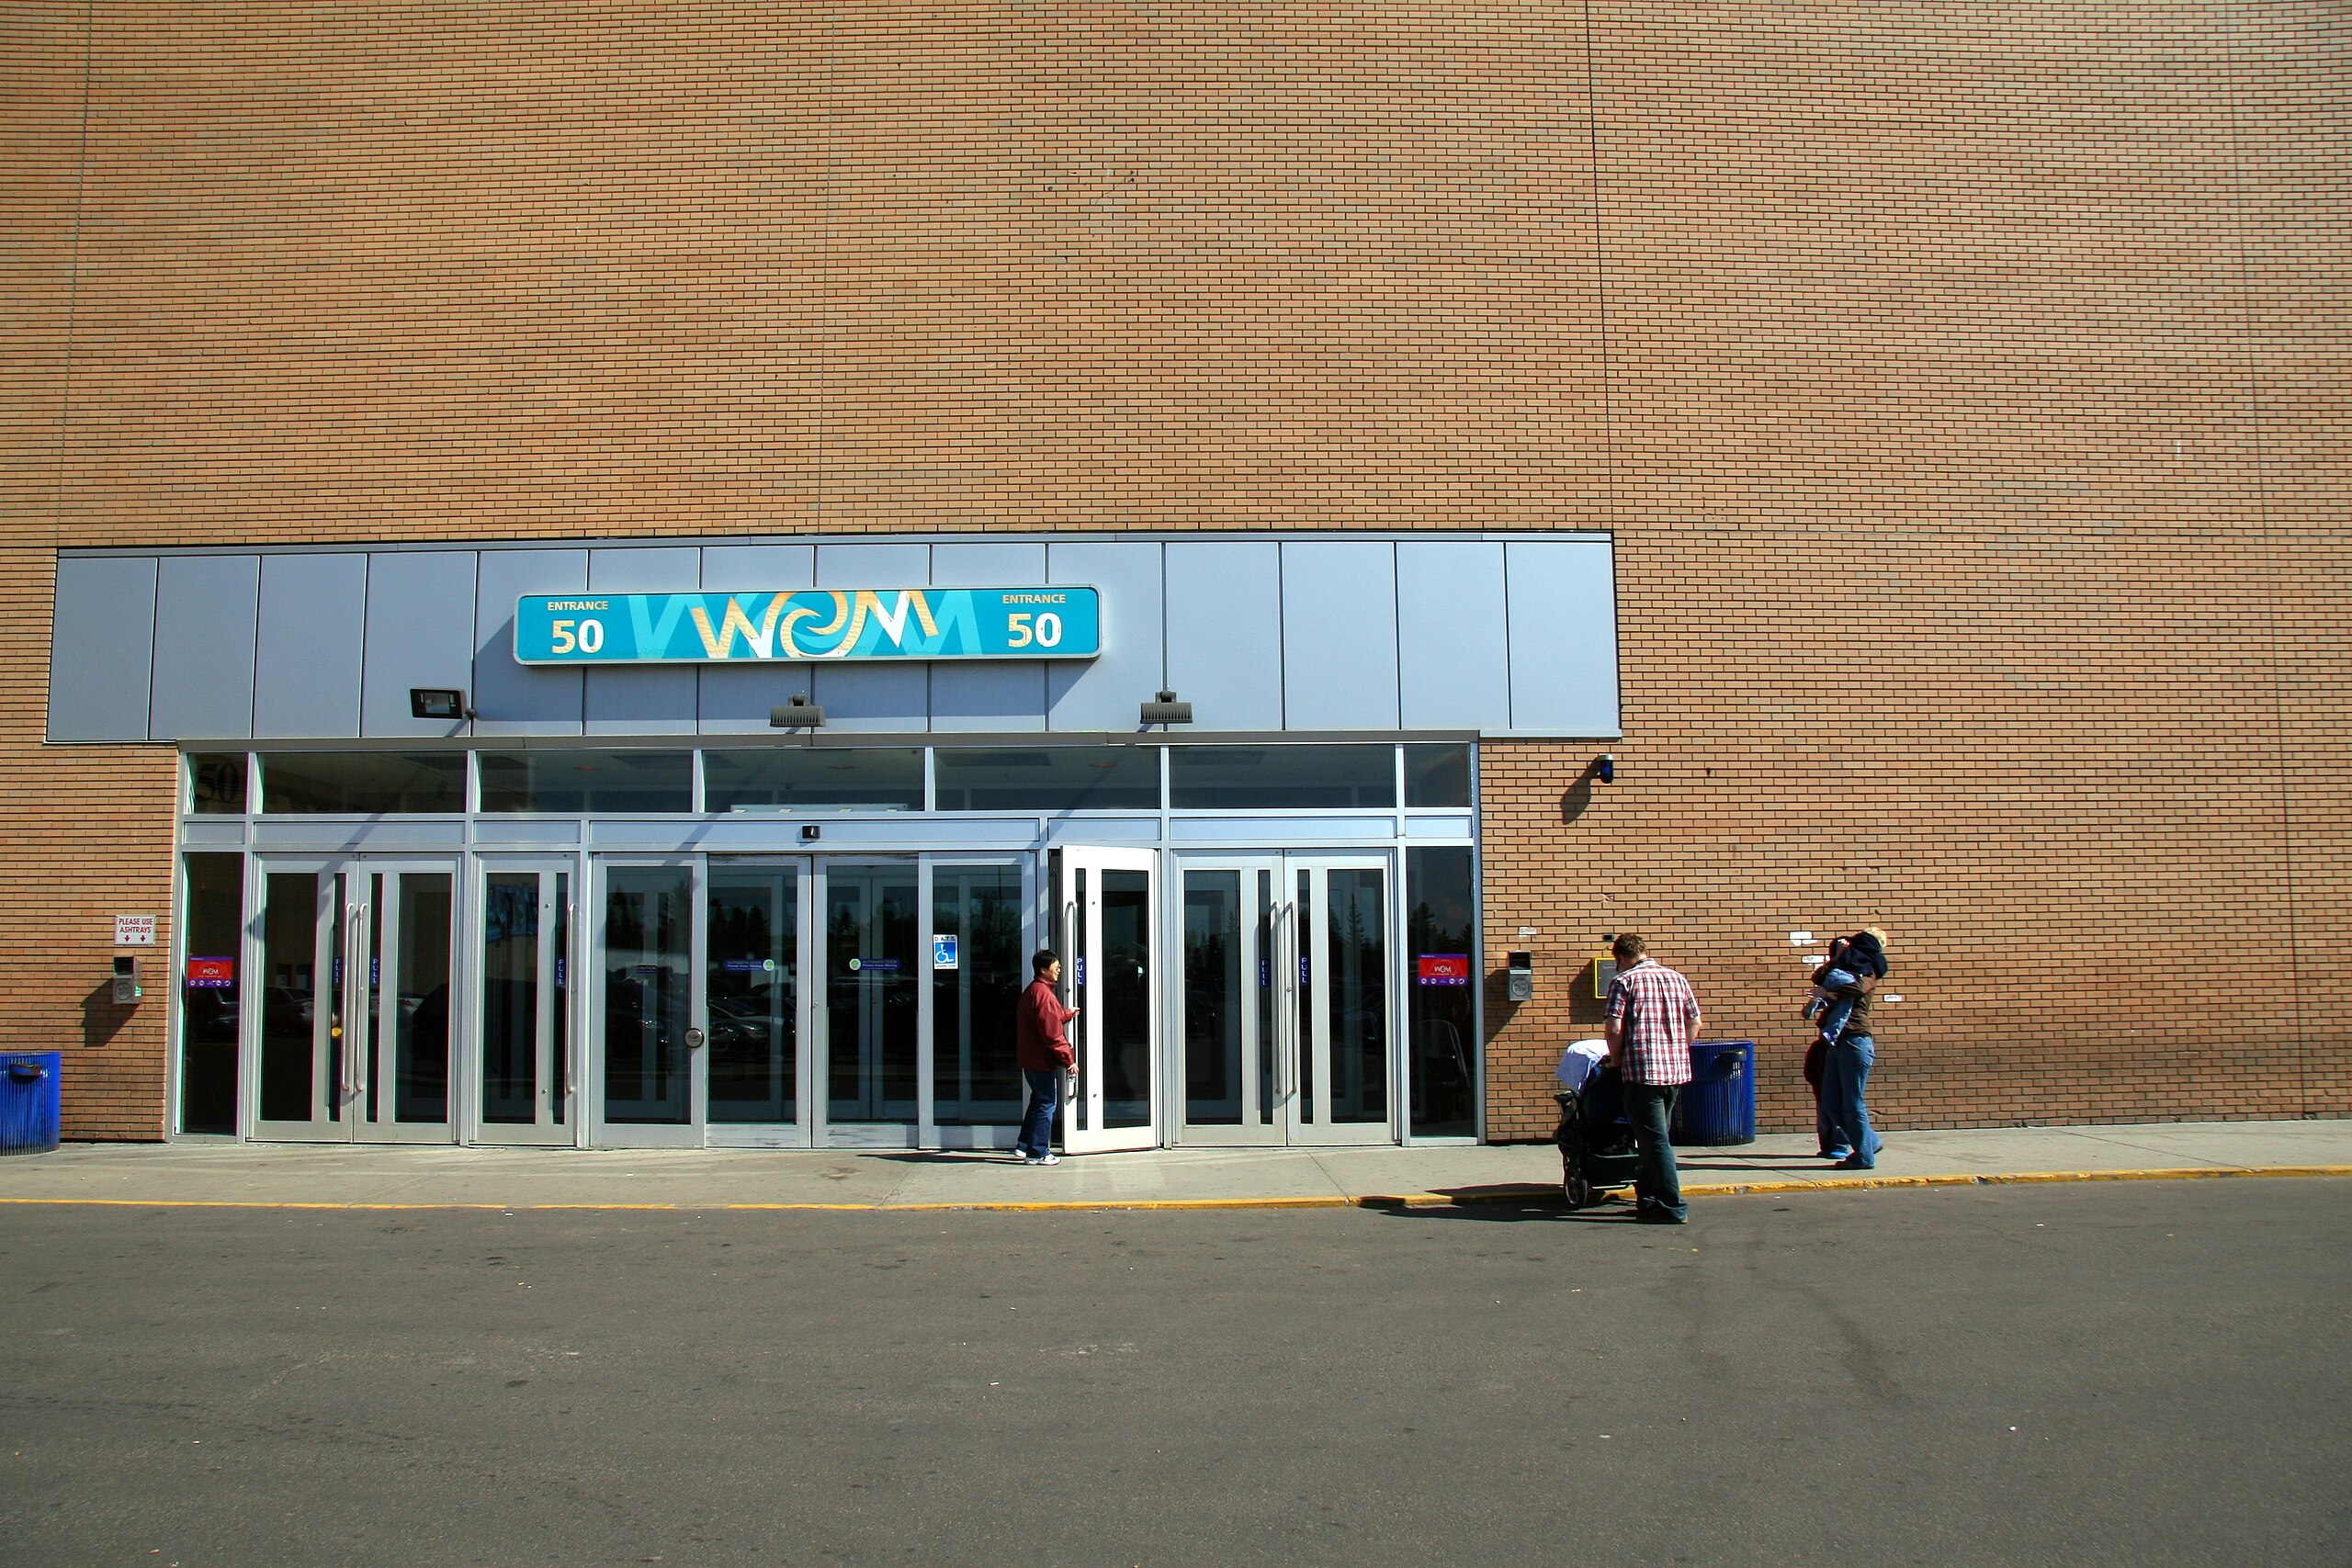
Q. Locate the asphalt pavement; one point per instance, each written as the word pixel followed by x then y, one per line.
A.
pixel 2135 1372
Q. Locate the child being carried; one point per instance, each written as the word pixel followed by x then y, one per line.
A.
pixel 1855 963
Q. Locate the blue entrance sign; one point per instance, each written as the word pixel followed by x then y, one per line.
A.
pixel 807 623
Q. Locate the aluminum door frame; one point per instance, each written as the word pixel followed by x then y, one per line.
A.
pixel 347 922
pixel 596 1130
pixel 1099 858
pixel 541 1133
pixel 867 1134
pixel 800 1133
pixel 1292 939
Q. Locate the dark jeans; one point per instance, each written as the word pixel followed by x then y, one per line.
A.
pixel 1037 1124
pixel 1656 1184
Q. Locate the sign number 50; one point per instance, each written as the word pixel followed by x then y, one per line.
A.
pixel 587 639
pixel 1044 630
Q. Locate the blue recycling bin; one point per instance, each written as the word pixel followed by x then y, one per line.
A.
pixel 29 1102
pixel 1718 1105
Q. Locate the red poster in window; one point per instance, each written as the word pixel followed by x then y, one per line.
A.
pixel 213 973
pixel 1444 969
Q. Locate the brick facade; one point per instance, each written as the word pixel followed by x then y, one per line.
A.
pixel 1965 388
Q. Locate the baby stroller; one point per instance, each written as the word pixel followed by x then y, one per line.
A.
pixel 1596 1150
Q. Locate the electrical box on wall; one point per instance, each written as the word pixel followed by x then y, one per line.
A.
pixel 126 981
pixel 1604 971
pixel 1521 977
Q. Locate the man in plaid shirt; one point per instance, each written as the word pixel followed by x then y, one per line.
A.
pixel 1652 1018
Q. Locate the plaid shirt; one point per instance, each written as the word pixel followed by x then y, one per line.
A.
pixel 1657 1011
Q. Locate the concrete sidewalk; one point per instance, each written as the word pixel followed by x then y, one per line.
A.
pixel 302 1175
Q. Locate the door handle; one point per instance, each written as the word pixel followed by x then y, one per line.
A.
pixel 355 1002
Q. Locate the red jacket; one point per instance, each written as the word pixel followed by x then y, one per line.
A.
pixel 1038 1029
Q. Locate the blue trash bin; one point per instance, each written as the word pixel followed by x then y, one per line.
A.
pixel 1718 1105
pixel 29 1102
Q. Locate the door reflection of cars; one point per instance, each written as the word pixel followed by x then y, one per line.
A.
pixel 746 1029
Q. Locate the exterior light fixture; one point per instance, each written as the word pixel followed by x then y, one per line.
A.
pixel 798 714
pixel 438 702
pixel 1604 767
pixel 1167 710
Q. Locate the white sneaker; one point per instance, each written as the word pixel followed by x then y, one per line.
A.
pixel 1045 1160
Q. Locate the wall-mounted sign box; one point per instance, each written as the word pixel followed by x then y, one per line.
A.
pixel 813 623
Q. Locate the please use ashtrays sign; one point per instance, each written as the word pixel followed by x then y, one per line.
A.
pixel 134 930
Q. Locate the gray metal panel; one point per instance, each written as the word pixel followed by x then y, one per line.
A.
pixel 511 832
pixel 992 696
pixel 307 652
pixel 1452 637
pixel 1562 637
pixel 1109 693
pixel 212 833
pixel 893 697
pixel 1197 830
pixel 206 609
pixel 643 699
pixel 1340 635
pixel 420 633
pixel 102 648
pixel 1224 632
pixel 523 699
pixel 736 698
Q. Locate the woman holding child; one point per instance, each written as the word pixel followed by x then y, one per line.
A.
pixel 1841 1004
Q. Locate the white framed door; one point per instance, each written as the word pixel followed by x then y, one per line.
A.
pixel 643 1069
pixel 1107 904
pixel 870 1007
pixel 1285 999
pixel 525 1066
pixel 357 958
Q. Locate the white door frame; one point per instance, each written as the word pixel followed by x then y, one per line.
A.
pixel 1081 923
pixel 599 1133
pixel 558 969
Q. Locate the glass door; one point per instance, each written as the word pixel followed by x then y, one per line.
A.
pixel 1285 1000
pixel 872 1002
pixel 356 959
pixel 751 993
pixel 525 1066
pixel 1105 927
pixel 647 1088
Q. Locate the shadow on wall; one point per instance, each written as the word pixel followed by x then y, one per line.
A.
pixel 1576 798
pixel 102 1016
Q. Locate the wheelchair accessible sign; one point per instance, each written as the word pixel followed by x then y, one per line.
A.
pixel 807 623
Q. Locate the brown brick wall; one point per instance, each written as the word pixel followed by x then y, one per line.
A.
pixel 1966 386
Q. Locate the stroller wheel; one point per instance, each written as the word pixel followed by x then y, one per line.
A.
pixel 1575 1191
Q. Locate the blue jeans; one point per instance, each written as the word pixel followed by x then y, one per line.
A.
pixel 1656 1184
pixel 1037 1122
pixel 1846 1074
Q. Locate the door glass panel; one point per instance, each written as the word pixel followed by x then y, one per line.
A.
pixel 753 984
pixel 361 1031
pixel 1125 997
pixel 289 945
pixel 976 1077
pixel 1438 933
pixel 1077 973
pixel 213 919
pixel 343 952
pixel 421 999
pixel 560 1002
pixel 648 934
pixel 1304 1054
pixel 510 998
pixel 870 994
pixel 1356 995
pixel 1214 1000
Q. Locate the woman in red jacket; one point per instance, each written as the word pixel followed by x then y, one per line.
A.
pixel 1042 1042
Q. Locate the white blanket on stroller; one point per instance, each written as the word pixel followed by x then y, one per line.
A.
pixel 1579 1062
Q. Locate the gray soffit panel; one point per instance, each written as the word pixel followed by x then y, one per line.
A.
pixel 1224 632
pixel 522 699
pixel 102 648
pixel 736 699
pixel 307 651
pixel 1452 640
pixel 206 610
pixel 1109 693
pixel 992 696
pixel 1563 638
pixel 646 699
pixel 888 697
pixel 420 633
pixel 1340 635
